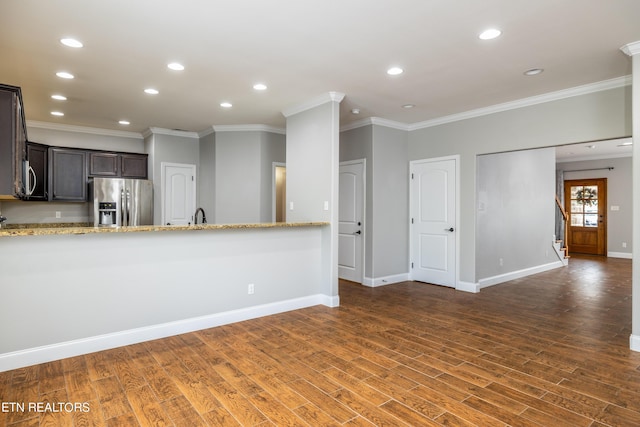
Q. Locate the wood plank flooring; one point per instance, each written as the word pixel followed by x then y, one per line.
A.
pixel 547 350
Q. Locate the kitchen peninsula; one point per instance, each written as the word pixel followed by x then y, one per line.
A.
pixel 69 291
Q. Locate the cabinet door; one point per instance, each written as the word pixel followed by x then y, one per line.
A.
pixel 37 156
pixel 12 142
pixel 104 164
pixel 133 166
pixel 67 175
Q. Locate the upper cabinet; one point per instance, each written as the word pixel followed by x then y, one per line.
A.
pixel 133 165
pixel 104 164
pixel 36 179
pixel 117 165
pixel 13 138
pixel 67 175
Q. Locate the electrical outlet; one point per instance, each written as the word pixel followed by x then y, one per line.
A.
pixel 250 288
pixel 58 214
pixel 624 244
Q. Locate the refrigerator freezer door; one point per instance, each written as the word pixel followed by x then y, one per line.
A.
pixel 107 190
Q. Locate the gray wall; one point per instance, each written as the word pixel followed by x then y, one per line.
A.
pixel 619 186
pixel 273 148
pixel 600 115
pixel 356 144
pixel 387 196
pixel 171 147
pixel 390 220
pixel 313 157
pixel 515 211
pixel 207 176
pixel 310 163
pixel 244 175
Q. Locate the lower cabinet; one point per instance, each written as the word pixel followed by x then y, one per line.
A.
pixel 67 175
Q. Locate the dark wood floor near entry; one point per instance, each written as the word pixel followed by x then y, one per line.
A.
pixel 547 350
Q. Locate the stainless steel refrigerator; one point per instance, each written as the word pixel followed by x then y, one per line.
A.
pixel 119 202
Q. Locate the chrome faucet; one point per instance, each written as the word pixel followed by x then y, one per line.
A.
pixel 2 220
pixel 195 217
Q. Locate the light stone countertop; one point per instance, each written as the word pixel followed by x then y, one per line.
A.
pixel 53 229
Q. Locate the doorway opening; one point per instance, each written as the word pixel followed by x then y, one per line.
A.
pixel 279 192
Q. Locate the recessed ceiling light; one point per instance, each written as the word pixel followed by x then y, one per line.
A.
pixel 260 86
pixel 64 75
pixel 175 66
pixel 57 113
pixel 407 106
pixel 151 91
pixel 59 97
pixel 226 104
pixel 533 72
pixel 124 122
pixel 394 71
pixel 355 111
pixel 489 34
pixel 71 42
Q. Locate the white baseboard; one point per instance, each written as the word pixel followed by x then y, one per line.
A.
pixel 625 255
pixel 468 287
pixel 490 281
pixel 48 353
pixel 386 280
pixel 634 342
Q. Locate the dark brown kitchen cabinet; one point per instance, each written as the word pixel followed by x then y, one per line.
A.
pixel 104 164
pixel 67 175
pixel 36 178
pixel 13 137
pixel 133 165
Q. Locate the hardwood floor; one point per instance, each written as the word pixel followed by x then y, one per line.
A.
pixel 547 350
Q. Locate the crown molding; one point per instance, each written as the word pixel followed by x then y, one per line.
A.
pixel 314 102
pixel 526 102
pixel 170 132
pixel 369 121
pixel 207 131
pixel 83 129
pixel 631 48
pixel 248 128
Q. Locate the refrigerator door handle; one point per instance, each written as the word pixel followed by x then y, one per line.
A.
pixel 128 207
pixel 122 207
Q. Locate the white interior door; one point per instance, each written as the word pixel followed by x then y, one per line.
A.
pixel 433 222
pixel 351 221
pixel 178 193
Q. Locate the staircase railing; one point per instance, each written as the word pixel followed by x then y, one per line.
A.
pixel 565 218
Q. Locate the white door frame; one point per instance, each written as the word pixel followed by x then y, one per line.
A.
pixel 364 211
pixel 163 167
pixel 412 202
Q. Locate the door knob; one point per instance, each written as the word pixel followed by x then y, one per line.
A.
pixel 358 232
pixel 449 229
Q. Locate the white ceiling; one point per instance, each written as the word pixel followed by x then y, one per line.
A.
pixel 301 49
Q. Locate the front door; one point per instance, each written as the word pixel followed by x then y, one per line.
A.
pixel 433 222
pixel 178 193
pixel 351 221
pixel 586 204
